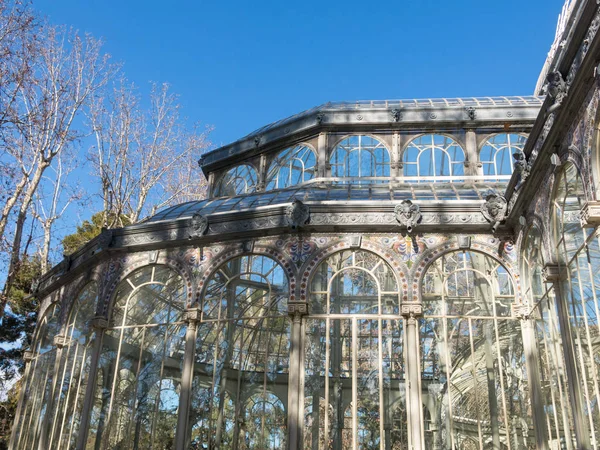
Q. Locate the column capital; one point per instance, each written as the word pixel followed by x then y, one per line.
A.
pixel 192 315
pixel 411 311
pixel 297 311
pixel 99 323
pixel 521 311
pixel 28 355
pixel 61 341
pixel 590 214
pixel 552 273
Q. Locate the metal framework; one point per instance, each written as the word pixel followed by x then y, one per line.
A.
pixel 366 275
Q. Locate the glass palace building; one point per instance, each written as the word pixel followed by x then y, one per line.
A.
pixel 390 275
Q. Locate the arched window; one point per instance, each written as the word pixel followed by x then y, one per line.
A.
pixel 555 393
pixel 496 154
pixel 38 386
pixel 140 364
pixel 360 156
pixel 578 254
pixel 292 166
pixel 73 370
pixel 433 155
pixel 241 179
pixel 473 365
pixel 240 384
pixel 353 354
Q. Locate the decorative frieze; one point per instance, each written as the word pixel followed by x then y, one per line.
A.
pixel 590 214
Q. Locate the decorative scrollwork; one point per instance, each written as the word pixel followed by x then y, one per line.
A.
pixel 408 215
pixel 198 226
pixel 297 214
pixel 494 209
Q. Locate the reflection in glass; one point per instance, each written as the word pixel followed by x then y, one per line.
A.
pixel 474 379
pixel 579 254
pixel 292 166
pixel 433 155
pixel 360 156
pixel 241 179
pixel 38 386
pixel 240 384
pixel 73 371
pixel 354 389
pixel 496 153
pixel 137 393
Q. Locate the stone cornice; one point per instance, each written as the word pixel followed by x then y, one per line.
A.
pixel 453 216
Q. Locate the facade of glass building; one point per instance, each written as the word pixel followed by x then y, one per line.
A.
pixel 391 275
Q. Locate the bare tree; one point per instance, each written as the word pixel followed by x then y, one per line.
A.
pixel 52 200
pixel 145 159
pixel 66 71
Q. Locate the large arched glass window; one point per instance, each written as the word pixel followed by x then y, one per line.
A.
pixel 38 386
pixel 474 379
pixel 292 166
pixel 241 179
pixel 433 155
pixel 579 257
pixel 137 392
pixel 496 154
pixel 550 362
pixel 360 156
pixel 73 370
pixel 240 379
pixel 354 385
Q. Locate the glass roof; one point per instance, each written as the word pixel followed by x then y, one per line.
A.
pixel 409 104
pixel 337 191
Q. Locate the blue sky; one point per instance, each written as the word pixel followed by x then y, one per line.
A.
pixel 240 65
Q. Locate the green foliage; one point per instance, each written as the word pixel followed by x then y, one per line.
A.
pixel 18 324
pixel 87 231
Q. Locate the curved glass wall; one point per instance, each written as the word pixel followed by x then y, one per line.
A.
pixel 550 360
pixel 496 153
pixel 73 370
pixel 240 375
pixel 354 388
pixel 360 156
pixel 474 382
pixel 138 377
pixel 433 156
pixel 579 256
pixel 292 166
pixel 241 179
pixel 38 386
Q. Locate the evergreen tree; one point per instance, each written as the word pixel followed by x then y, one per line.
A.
pixel 87 231
pixel 18 324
